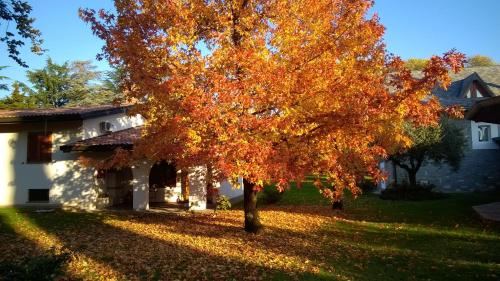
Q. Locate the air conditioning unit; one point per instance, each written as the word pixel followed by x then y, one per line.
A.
pixel 106 127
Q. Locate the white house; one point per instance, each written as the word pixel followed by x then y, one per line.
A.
pixel 39 163
pixel 480 168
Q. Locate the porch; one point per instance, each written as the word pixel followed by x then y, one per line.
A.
pixel 145 183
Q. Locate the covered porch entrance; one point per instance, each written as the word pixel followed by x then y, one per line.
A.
pixel 145 182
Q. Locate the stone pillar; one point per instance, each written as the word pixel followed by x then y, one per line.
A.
pixel 140 185
pixel 197 188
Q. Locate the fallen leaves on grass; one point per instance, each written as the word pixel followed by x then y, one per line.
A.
pixel 188 246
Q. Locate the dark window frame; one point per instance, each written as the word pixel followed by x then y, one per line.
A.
pixel 39 148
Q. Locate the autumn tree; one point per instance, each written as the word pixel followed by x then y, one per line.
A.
pixel 16 15
pixel 443 144
pixel 479 60
pixel 268 90
pixel 416 64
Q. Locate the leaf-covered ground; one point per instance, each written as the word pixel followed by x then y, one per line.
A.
pixel 305 240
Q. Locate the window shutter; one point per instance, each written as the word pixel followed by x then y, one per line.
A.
pixel 46 147
pixel 39 147
pixel 33 148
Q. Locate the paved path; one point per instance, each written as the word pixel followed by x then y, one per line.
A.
pixel 489 211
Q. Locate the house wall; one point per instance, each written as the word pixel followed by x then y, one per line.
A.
pixel 90 127
pixel 474 137
pixel 174 193
pixel 68 181
pixel 234 193
pixel 169 194
pixel 479 169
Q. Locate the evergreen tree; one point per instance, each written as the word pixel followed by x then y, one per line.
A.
pixel 3 86
pixel 19 98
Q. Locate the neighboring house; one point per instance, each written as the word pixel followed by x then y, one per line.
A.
pixel 39 164
pixel 480 168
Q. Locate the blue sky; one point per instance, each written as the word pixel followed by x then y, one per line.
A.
pixel 414 28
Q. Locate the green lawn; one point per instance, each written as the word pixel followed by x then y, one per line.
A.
pixel 304 239
pixel 412 240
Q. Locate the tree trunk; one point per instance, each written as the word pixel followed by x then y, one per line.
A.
pixel 338 205
pixel 252 221
pixel 412 177
pixel 211 196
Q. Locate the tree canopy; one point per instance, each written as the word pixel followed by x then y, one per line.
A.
pixel 16 13
pixel 416 64
pixel 3 86
pixel 68 84
pixel 19 98
pixel 443 144
pixel 268 90
pixel 479 60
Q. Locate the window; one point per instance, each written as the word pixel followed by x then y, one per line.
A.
pixel 163 175
pixel 484 133
pixel 38 195
pixel 39 147
pixel 476 90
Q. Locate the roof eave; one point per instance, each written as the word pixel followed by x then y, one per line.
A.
pixel 95 148
pixel 65 117
pixel 490 105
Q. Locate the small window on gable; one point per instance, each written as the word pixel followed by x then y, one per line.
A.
pixel 484 132
pixel 476 90
pixel 38 195
pixel 39 147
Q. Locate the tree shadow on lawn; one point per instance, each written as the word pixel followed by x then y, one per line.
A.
pixel 22 258
pixel 364 252
pixel 343 248
pixel 450 212
pixel 425 250
pixel 135 246
pixel 10 239
pixel 140 253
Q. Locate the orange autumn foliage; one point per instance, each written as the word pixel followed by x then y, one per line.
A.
pixel 268 90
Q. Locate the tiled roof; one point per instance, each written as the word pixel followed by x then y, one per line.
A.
pixel 63 113
pixel 486 75
pixel 489 74
pixel 124 138
pixel 487 110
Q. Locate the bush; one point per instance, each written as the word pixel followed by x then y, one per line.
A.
pixel 367 184
pixel 270 194
pixel 40 268
pixel 411 193
pixel 223 203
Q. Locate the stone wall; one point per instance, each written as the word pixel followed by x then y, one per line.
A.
pixel 479 169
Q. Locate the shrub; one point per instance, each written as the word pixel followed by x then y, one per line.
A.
pixel 223 203
pixel 40 268
pixel 367 184
pixel 270 194
pixel 407 192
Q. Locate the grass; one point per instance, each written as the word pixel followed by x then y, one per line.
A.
pixel 304 239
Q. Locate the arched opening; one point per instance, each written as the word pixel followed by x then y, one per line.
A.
pixel 163 182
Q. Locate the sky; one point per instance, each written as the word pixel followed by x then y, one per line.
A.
pixel 414 29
